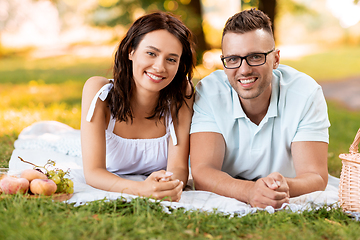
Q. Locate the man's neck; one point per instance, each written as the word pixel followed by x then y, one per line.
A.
pixel 256 108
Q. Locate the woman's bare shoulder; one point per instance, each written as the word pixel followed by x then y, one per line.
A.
pixel 95 83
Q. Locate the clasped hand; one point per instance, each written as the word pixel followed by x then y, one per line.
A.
pixel 272 190
pixel 161 186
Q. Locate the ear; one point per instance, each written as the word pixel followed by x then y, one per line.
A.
pixel 277 59
pixel 131 54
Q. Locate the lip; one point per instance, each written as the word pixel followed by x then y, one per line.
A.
pixel 154 77
pixel 248 81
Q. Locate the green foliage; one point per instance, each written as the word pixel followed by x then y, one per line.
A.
pixel 124 12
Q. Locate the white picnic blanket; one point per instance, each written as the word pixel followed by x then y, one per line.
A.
pixel 61 143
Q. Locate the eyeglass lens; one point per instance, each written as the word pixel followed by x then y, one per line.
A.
pixel 252 60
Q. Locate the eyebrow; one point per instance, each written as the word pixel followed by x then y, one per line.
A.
pixel 235 55
pixel 158 50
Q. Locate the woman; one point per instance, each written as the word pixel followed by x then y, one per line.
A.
pixel 139 122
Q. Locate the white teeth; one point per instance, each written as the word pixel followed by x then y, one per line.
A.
pixel 154 77
pixel 247 81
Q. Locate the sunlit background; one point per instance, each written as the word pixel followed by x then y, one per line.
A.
pixel 93 27
pixel 49 48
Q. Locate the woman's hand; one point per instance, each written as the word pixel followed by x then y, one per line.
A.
pixel 161 186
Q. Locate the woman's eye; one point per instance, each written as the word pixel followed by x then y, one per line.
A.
pixel 172 60
pixel 151 54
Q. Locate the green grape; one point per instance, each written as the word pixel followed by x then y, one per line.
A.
pixel 50 173
pixel 60 188
pixel 70 190
pixel 70 183
pixel 56 179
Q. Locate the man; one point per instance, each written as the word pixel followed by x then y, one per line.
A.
pixel 260 129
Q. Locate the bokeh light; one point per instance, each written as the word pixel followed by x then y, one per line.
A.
pixel 170 5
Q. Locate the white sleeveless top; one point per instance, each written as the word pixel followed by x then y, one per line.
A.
pixel 133 156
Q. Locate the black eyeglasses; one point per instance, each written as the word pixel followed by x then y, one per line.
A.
pixel 253 60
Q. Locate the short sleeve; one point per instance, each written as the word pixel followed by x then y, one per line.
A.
pixel 203 119
pixel 314 123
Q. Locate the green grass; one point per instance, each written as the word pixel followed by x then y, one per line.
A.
pixel 59 69
pixel 344 125
pixel 142 219
pixel 334 64
pixel 50 89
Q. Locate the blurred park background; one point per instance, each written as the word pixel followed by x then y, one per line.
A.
pixel 49 48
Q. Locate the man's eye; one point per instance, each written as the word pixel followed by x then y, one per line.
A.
pixel 233 59
pixel 255 57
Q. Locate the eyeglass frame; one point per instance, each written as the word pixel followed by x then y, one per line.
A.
pixel 242 58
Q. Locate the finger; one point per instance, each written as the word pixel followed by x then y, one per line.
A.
pixel 166 185
pixel 158 175
pixel 167 176
pixel 273 194
pixel 178 191
pixel 170 195
pixel 284 187
pixel 271 183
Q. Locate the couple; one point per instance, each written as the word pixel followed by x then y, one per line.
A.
pixel 258 130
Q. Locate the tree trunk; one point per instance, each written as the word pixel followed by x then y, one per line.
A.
pixel 199 35
pixel 269 7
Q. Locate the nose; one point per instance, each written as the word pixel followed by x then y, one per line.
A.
pixel 244 68
pixel 159 65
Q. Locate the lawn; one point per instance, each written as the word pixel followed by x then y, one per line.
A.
pixel 32 90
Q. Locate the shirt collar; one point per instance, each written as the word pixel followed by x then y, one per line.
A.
pixel 273 107
pixel 238 112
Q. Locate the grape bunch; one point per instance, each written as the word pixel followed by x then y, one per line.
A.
pixel 64 184
pixel 59 176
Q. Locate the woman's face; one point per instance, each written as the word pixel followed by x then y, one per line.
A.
pixel 156 60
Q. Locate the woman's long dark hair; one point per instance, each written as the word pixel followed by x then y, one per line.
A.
pixel 173 95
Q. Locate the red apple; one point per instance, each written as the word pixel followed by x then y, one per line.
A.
pixel 31 174
pixel 45 187
pixel 12 185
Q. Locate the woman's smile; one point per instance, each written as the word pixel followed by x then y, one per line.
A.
pixel 155 78
pixel 156 58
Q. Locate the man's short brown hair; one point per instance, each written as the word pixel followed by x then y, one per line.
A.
pixel 248 20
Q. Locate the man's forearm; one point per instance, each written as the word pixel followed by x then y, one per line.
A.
pixel 216 181
pixel 306 183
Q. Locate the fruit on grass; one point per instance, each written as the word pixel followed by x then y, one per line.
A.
pixel 45 187
pixel 13 185
pixel 31 174
pixel 59 176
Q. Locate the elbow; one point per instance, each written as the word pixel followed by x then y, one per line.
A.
pixel 89 178
pixel 198 179
pixel 324 182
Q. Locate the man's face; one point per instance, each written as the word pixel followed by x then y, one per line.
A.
pixel 251 82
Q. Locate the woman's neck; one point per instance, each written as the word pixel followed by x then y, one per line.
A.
pixel 143 104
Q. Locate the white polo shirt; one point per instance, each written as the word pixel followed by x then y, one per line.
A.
pixel 297 112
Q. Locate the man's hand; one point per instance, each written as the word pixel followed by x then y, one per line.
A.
pixel 272 190
pixel 277 182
